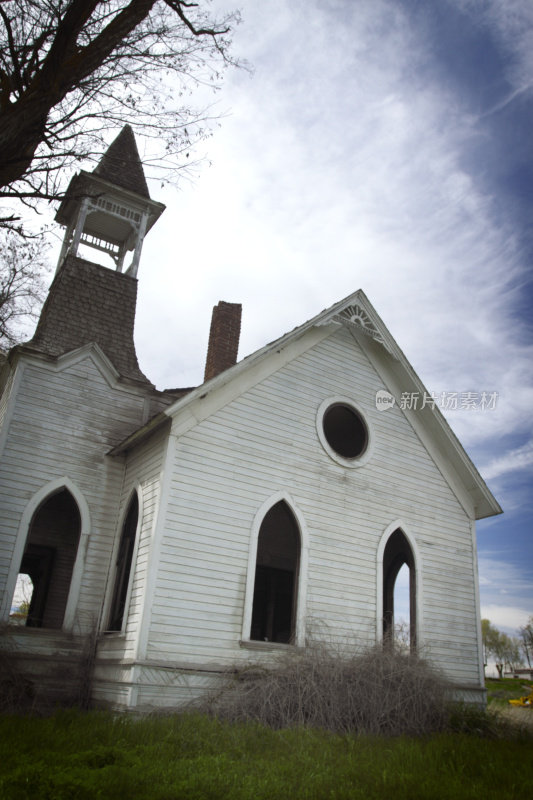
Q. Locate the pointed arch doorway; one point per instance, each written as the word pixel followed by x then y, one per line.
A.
pixel 49 557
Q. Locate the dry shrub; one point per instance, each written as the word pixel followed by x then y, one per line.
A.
pixel 16 692
pixel 377 692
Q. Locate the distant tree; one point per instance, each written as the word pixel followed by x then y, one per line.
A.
pixel 526 640
pixel 504 649
pixel 72 69
pixel 402 636
pixel 23 269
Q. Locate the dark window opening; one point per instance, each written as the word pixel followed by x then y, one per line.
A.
pixel 276 577
pixel 48 560
pixel 345 431
pixel 123 567
pixel 397 553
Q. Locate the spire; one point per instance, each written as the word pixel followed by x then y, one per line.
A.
pixel 110 208
pixel 121 164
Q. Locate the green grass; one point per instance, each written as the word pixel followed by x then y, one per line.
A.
pixel 501 690
pixel 97 755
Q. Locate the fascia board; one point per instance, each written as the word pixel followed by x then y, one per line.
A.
pixel 215 394
pixel 132 198
pixel 140 435
pixel 85 179
pixel 282 347
pixel 430 425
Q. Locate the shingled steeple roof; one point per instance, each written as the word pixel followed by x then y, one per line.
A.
pixel 121 164
pixel 90 303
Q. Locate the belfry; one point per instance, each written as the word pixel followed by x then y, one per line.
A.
pixel 110 208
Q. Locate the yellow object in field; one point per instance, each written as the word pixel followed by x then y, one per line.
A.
pixel 526 701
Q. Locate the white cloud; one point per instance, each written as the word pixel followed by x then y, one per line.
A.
pixel 512 23
pixel 506 618
pixel 517 459
pixel 506 592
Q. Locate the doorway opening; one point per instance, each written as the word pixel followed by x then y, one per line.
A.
pixel 45 572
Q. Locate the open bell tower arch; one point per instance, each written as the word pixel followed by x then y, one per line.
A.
pixel 110 209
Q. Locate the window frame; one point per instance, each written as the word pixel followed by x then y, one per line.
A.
pixel 113 567
pixel 416 583
pixel 356 461
pixel 300 577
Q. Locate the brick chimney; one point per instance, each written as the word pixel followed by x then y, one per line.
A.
pixel 223 338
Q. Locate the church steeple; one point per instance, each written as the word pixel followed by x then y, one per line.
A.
pixel 110 208
pixel 121 164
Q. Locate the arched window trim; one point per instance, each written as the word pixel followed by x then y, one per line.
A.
pixel 38 499
pixel 112 569
pixel 419 620
pixel 301 594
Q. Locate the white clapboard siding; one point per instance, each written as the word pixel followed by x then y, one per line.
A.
pixel 62 425
pixel 265 442
pixel 7 381
pixel 142 473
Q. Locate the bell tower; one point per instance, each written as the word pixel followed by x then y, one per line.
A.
pixel 110 209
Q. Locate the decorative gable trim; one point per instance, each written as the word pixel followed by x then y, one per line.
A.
pixel 355 318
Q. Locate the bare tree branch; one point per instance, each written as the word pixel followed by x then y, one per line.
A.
pixel 23 268
pixel 72 69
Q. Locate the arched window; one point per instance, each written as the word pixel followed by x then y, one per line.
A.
pixel 48 561
pixel 398 553
pixel 276 577
pixel 123 566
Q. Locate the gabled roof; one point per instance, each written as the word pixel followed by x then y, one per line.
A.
pixel 356 314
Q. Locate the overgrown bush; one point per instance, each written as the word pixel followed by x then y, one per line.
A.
pixel 379 691
pixel 16 691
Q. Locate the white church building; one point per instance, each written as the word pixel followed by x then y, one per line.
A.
pixel 186 531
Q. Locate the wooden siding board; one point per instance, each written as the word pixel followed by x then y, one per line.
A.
pixel 142 472
pixel 224 469
pixel 265 440
pixel 59 428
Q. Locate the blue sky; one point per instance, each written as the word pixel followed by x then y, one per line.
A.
pixel 383 145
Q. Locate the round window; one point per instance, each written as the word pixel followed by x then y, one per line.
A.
pixel 345 430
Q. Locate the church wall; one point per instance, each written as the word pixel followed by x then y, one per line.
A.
pixel 63 423
pixel 142 474
pixel 8 378
pixel 264 442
